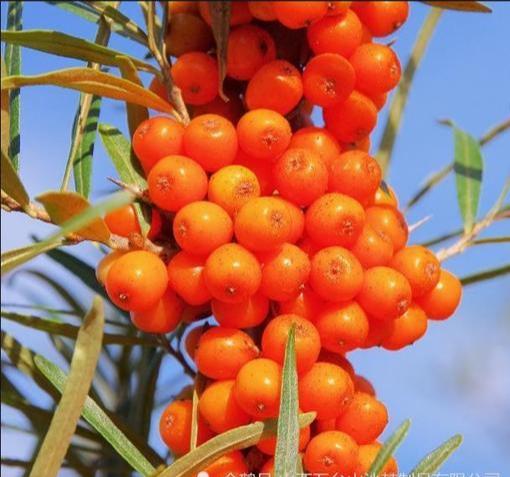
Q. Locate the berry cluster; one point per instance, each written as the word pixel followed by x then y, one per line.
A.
pixel 276 223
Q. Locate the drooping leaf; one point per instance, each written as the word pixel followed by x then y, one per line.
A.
pixel 469 6
pixel 11 183
pixel 220 17
pixel 431 463
pixel 66 415
pixel 486 275
pixel 287 441
pixel 88 80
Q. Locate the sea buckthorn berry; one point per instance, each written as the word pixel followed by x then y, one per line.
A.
pixel 406 329
pixel 318 140
pixel 342 327
pixel 336 274
pixel 420 266
pixel 378 331
pixel 268 445
pixel 386 293
pixel 390 222
pixel 361 145
pixel 442 301
pixel 263 224
pixel 338 8
pixel 175 427
pixel 284 272
pixel 263 134
pixel 364 419
pixel 328 79
pixel 297 218
pixel 232 186
pixel 276 86
pixel 299 14
pixel 249 48
pixel 239 13
pixel 231 464
pixel 123 221
pixel 257 388
pixel 186 277
pixel 221 352
pixel 201 227
pixel 352 120
pixel 300 176
pixel 324 425
pixel 245 314
pixel 262 169
pixel 326 389
pixel 307 304
pixel 367 455
pixel 163 317
pixel 104 265
pixel 156 138
pixel 185 33
pixel 384 197
pixel 363 385
pixel 218 407
pixel 377 68
pixel 262 11
pixel 232 274
pixel 179 6
pixel 211 140
pixel 372 248
pixel 191 340
pixel 231 110
pixel 196 74
pixel 136 281
pixel 339 360
pixel 307 341
pixel 379 100
pixel 336 34
pixel 356 174
pixel 334 219
pixel 382 18
pixel 192 313
pixel 176 181
pixel 331 453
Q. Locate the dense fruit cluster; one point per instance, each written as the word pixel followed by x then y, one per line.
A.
pixel 277 222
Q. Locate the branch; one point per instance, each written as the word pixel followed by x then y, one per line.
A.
pixel 178 356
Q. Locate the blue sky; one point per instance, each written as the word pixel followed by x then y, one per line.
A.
pixel 455 379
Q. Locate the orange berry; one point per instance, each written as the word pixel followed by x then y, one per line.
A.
pixel 263 224
pixel 334 219
pixel 307 304
pixel 382 18
pixel 231 110
pixel 123 221
pixel 201 227
pixel 390 222
pixel 352 120
pixel 342 327
pixel 156 226
pixel 185 33
pixel 194 313
pixel 336 34
pixel 336 274
pixel 338 360
pixel 104 265
pixel 218 407
pixel 372 248
pixel 178 6
pixel 262 11
pixel 324 425
pixel 163 317
pixel 156 138
pixel 211 140
pixel 328 79
pixel 276 86
pixel 262 169
pixel 232 274
pixel 361 145
pixel 367 455
pixel 249 48
pixel 378 331
pixel 406 329
pixel 196 74
pixel 186 277
pixel 442 301
pixel 331 453
pixel 233 463
pixel 257 388
pixel 221 352
pixel 284 272
pixel 263 134
pixel 326 389
pixel 300 176
pixel 239 13
pixel 176 181
pixel 385 197
pixel 268 445
pixel 245 314
pixel 386 293
pixel 136 281
pixel 364 419
pixel 191 340
pixel 318 140
pixel 307 341
pixel 338 8
pixel 356 174
pixel 297 218
pixel 420 266
pixel 363 385
pixel 295 15
pixel 379 100
pixel 232 186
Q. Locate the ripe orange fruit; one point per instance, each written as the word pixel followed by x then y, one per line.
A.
pixel 382 18
pixel 262 169
pixel 318 140
pixel 367 455
pixel 123 221
pixel 442 301
pixel 307 304
pixel 239 13
pixel 385 197
pixel 378 331
pixel 372 248
pixel 390 222
pixel 339 360
pixel 185 33
pixel 406 329
pixel 245 314
pixel 297 220
pixel 104 265
pixel 231 110
pixel 299 14
pixel 363 385
pixel 262 10
pixel 338 8
pixel 233 463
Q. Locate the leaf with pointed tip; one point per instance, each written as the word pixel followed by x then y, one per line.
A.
pixel 486 275
pixel 11 183
pixel 469 6
pixel 18 256
pixel 431 463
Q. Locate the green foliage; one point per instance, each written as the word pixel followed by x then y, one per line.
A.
pixel 431 463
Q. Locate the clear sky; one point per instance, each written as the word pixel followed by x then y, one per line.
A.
pixel 456 379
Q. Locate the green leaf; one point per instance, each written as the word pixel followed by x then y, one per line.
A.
pixel 12 185
pixel 13 67
pixel 99 420
pixel 65 418
pixel 18 256
pixel 95 82
pixel 287 441
pixel 5 121
pixel 82 10
pixel 239 438
pixel 389 448
pixel 469 6
pixel 220 18
pixel 431 463
pixel 468 168
pixel 61 44
pixel 485 275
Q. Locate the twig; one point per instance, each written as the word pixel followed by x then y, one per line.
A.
pixel 178 356
pixel 138 192
pixel 418 224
